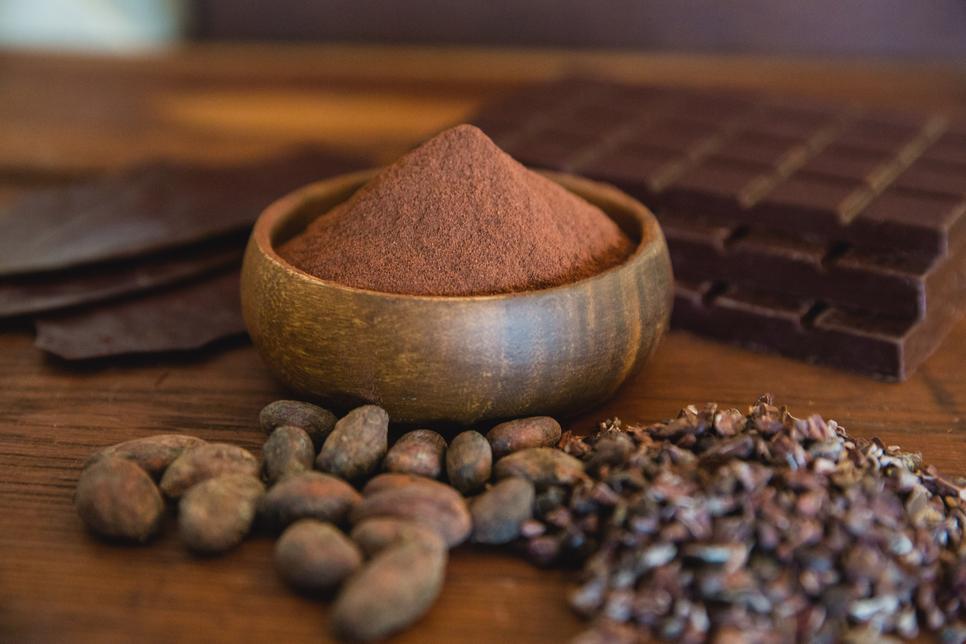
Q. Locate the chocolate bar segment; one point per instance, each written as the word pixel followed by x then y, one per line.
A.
pixel 838 162
pixel 640 171
pixel 716 188
pixel 761 150
pixel 684 137
pixel 898 218
pixel 949 149
pixel 818 207
pixel 929 177
pixel 877 135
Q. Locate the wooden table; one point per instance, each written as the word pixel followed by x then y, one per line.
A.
pixel 61 117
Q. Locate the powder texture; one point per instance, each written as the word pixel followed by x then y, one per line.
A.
pixel 458 216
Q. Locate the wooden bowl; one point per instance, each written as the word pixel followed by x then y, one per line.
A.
pixel 452 358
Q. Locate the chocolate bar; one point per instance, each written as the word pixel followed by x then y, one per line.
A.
pixel 890 284
pixel 858 214
pixel 38 293
pixel 149 208
pixel 810 330
pixel 175 319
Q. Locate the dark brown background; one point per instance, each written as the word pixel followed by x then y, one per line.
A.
pixel 826 27
pixel 64 116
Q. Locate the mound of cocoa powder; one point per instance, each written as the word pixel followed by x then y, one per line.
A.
pixel 458 216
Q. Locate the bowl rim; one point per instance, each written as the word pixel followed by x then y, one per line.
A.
pixel 282 208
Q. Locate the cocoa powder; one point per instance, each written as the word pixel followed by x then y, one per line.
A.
pixel 458 216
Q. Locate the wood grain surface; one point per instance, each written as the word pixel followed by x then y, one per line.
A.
pixel 60 117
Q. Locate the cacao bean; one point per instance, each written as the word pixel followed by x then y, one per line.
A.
pixel 397 587
pixel 288 450
pixel 543 466
pixel 514 435
pixel 154 453
pixel 357 445
pixel 499 512
pixel 315 556
pixel 435 506
pixel 116 498
pixel 420 452
pixel 469 461
pixel 309 495
pixel 202 462
pixel 217 514
pixel 312 419
pixel 395 480
pixel 377 534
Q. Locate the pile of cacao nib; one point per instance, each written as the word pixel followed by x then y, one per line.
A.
pixel 759 528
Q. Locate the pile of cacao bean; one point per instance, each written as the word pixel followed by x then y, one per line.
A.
pixel 319 475
pixel 715 525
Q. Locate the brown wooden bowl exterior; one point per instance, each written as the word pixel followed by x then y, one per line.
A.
pixel 455 359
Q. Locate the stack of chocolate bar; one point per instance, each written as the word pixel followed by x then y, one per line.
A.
pixel 830 233
pixel 145 259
